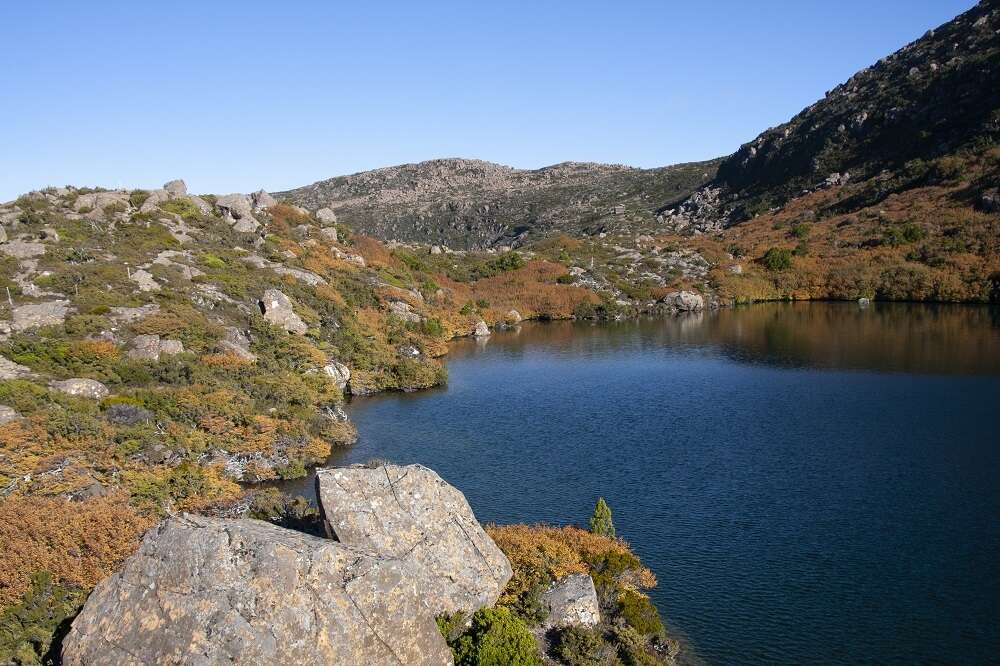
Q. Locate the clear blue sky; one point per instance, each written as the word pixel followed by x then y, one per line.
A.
pixel 234 96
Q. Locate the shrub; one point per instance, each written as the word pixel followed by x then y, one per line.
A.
pixel 31 631
pixel 584 646
pixel 497 637
pixel 800 230
pixel 777 259
pixel 639 612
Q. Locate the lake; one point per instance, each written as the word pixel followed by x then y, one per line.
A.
pixel 811 483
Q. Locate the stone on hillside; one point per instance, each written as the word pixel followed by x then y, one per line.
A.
pixel 571 600
pixel 237 342
pixel 203 206
pixel 262 200
pixel 82 388
pixel 330 234
pixel 8 414
pixel 402 310
pixel 145 348
pixel 99 200
pixel 129 315
pixel 326 216
pixel 153 201
pixel 145 280
pixel 176 188
pixel 277 309
pixel 236 209
pixel 514 317
pixel 482 329
pixel 685 301
pixel 36 315
pixel 211 591
pixel 338 372
pixel 412 514
pixel 435 249
pixel 21 249
pixel 171 347
pixel 3 235
pixel 11 370
pixel 989 201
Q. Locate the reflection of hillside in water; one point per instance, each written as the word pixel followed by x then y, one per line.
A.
pixel 892 337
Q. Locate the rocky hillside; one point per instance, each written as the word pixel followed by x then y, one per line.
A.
pixel 474 204
pixel 934 98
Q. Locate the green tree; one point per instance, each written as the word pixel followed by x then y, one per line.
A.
pixel 600 522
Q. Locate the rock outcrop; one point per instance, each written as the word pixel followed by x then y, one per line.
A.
pixel 11 370
pixel 151 347
pixel 481 330
pixel 237 210
pixel 212 591
pixel 339 373
pixel 36 315
pixel 571 600
pixel 411 513
pixel 277 309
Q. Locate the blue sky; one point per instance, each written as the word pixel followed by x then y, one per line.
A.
pixel 238 96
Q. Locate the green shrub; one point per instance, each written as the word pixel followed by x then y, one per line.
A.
pixel 31 631
pixel 639 612
pixel 583 646
pixel 497 637
pixel 800 230
pixel 777 259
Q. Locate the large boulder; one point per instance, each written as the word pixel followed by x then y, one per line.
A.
pixel 411 513
pixel 326 216
pixel 571 600
pixel 261 200
pixel 82 388
pixel 237 210
pixel 22 249
pixel 176 188
pixel 338 373
pixel 481 330
pixel 8 414
pixel 211 591
pixel 277 309
pixel 685 301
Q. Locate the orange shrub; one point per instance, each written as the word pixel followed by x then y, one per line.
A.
pixel 78 542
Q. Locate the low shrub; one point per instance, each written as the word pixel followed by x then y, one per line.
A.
pixel 497 637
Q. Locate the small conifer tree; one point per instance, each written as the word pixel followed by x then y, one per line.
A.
pixel 600 522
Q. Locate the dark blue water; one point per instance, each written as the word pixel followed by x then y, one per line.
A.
pixel 810 483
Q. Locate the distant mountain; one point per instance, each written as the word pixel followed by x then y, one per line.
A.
pixel 471 203
pixel 936 97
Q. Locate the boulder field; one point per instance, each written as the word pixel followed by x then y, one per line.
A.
pixel 404 548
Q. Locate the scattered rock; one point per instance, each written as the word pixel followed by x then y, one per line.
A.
pixel 83 388
pixel 171 347
pixel 20 249
pixel 8 414
pixel 99 200
pixel 339 373
pixel 145 280
pixel 329 233
pixel 412 514
pixel 326 216
pixel 435 249
pixel 36 315
pixel 238 212
pixel 277 309
pixel 403 310
pixel 482 329
pixel 129 315
pixel 261 200
pixel 145 348
pixel 237 342
pixel 11 370
pixel 176 188
pixel 153 201
pixel 989 201
pixel 211 591
pixel 571 600
pixel 685 301
pixel 514 317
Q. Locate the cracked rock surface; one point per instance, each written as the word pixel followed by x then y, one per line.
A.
pixel 411 513
pixel 213 591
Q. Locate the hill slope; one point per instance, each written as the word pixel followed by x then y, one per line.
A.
pixel 474 204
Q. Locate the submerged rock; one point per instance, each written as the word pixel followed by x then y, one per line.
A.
pixel 212 591
pixel 571 600
pixel 411 513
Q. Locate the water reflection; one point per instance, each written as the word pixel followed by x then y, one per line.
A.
pixel 885 337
